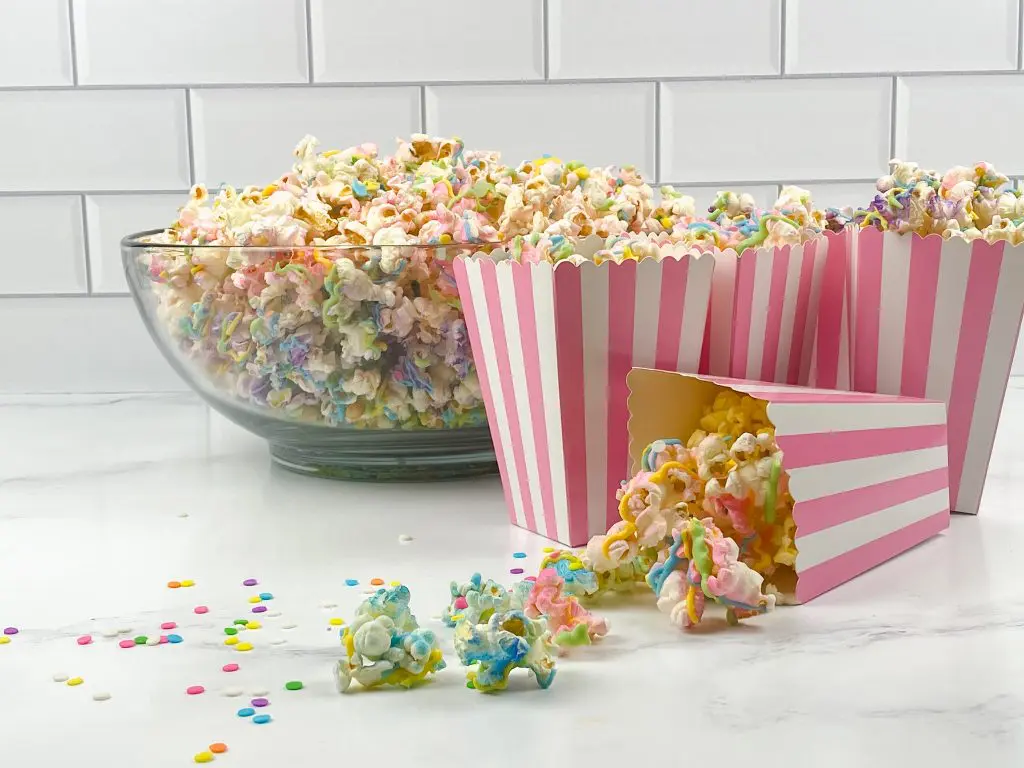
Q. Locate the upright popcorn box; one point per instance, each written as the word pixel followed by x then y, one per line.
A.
pixel 553 345
pixel 867 472
pixel 939 319
pixel 778 314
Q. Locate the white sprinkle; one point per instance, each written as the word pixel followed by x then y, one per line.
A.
pixel 108 632
pixel 328 604
pixel 124 630
pixel 155 640
pixel 60 677
pixel 289 626
pixel 183 514
pixel 100 696
pixel 260 691
pixel 233 692
pixel 272 614
pixel 278 641
pixel 404 538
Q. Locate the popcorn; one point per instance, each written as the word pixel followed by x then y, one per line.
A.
pixel 385 645
pixel 508 640
pixel 578 580
pixel 569 622
pixel 476 601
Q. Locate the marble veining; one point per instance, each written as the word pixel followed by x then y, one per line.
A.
pixel 103 499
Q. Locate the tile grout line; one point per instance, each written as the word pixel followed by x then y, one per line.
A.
pixel 190 144
pixel 892 118
pixel 782 37
pixel 423 109
pixel 545 44
pixel 89 192
pixel 309 42
pixel 86 250
pixel 73 41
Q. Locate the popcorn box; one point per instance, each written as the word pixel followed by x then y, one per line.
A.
pixel 553 345
pixel 939 319
pixel 868 473
pixel 777 314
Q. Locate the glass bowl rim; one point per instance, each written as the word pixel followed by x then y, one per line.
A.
pixel 136 240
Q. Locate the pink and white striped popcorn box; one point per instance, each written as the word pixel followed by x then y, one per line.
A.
pixel 553 345
pixel 778 314
pixel 939 319
pixel 867 472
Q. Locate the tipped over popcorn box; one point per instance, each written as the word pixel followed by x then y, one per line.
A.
pixel 553 344
pixel 939 319
pixel 778 314
pixel 862 476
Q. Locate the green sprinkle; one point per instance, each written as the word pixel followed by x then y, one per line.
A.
pixel 141 640
pixel 241 622
pixel 772 492
pixel 294 685
pixel 230 631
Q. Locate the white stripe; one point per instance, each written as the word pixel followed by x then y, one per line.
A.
pixel 806 483
pixel 699 276
pixel 892 313
pixel 594 287
pixel 814 418
pixel 547 352
pixel 813 303
pixel 999 350
pixel 796 259
pixel 954 265
pixel 490 363
pixel 517 363
pixel 723 285
pixel 763 262
pixel 771 387
pixel 822 546
pixel 646 312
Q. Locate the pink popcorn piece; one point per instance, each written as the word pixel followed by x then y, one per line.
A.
pixel 569 622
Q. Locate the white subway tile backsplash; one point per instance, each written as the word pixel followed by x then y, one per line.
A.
pixel 935 130
pixel 43 248
pixel 229 148
pixel 407 40
pixel 111 217
pixel 772 129
pixel 856 194
pixel 654 38
pixel 92 140
pixel 133 42
pixel 906 36
pixel 35 43
pixel 599 124
pixel 94 344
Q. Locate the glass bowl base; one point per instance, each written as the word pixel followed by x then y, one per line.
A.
pixel 343 465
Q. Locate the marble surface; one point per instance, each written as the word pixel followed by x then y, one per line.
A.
pixel 104 499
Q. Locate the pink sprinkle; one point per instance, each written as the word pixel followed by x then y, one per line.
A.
pixel 200 609
pixel 460 603
pixel 230 667
pixel 530 578
pixel 127 643
pixel 85 639
pixel 168 625
pixel 250 583
pixel 194 690
pixel 163 639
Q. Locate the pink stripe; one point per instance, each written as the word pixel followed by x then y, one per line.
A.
pixel 811 450
pixel 917 334
pixel 818 514
pixel 621 305
pixel 869 297
pixel 569 335
pixel 670 315
pixel 803 302
pixel 469 310
pixel 979 301
pixel 522 279
pixel 741 311
pixel 834 572
pixel 498 334
pixel 830 309
pixel 705 350
pixel 773 323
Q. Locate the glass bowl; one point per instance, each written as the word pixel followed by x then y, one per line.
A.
pixel 353 362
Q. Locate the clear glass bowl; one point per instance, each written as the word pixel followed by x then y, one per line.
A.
pixel 313 350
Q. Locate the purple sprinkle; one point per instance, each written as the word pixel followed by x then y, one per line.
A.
pixel 259 608
pixel 260 702
pixel 250 583
pixel 11 631
pixel 516 570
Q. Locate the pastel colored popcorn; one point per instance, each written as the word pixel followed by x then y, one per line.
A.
pixel 384 645
pixel 577 578
pixel 569 623
pixel 507 641
pixel 476 600
pixel 703 564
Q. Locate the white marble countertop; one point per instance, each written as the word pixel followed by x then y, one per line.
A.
pixel 920 661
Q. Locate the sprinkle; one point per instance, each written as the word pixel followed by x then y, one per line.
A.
pixel 100 696
pixel 203 757
pixel 75 681
pixel 195 690
pixel 231 640
pixel 266 596
pixel 141 640
pixel 515 570
pixel 60 678
pixel 124 631
pixel 230 668
pixel 183 514
pixel 253 625
pixel 10 630
pixel 336 622
pixel 218 747
pixel 4 639
pixel 376 582
pixel 108 632
pixel 328 604
pixel 173 584
pixel 273 614
pixel 153 641
pixel 230 631
pixel 278 641
pixel 127 643
pixel 232 692
pixel 243 647
pixel 530 578
pixel 250 583
pixel 168 625
pixel 240 622
pixel 84 640
pixel 254 599
pixel 404 538
pixel 293 685
pixel 548 549
pixel 395 584
pixel 163 640
pixel 261 719
pixel 289 626
pixel 246 712
pixel 188 583
pixel 174 638
pixel 201 609
pixel 260 691
pixel 518 555
pixel 259 609
pixel 260 702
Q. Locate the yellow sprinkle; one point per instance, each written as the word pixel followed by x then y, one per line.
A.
pixel 269 190
pixel 666 222
pixel 582 173
pixel 203 757
pixel 396 583
pixel 243 647
pixel 4 639
pixel 75 681
pixel 188 583
pixel 255 599
pixel 253 625
pixel 231 640
pixel 575 566
pixel 445 239
pixel 548 549
pixel 336 622
pixel 330 153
